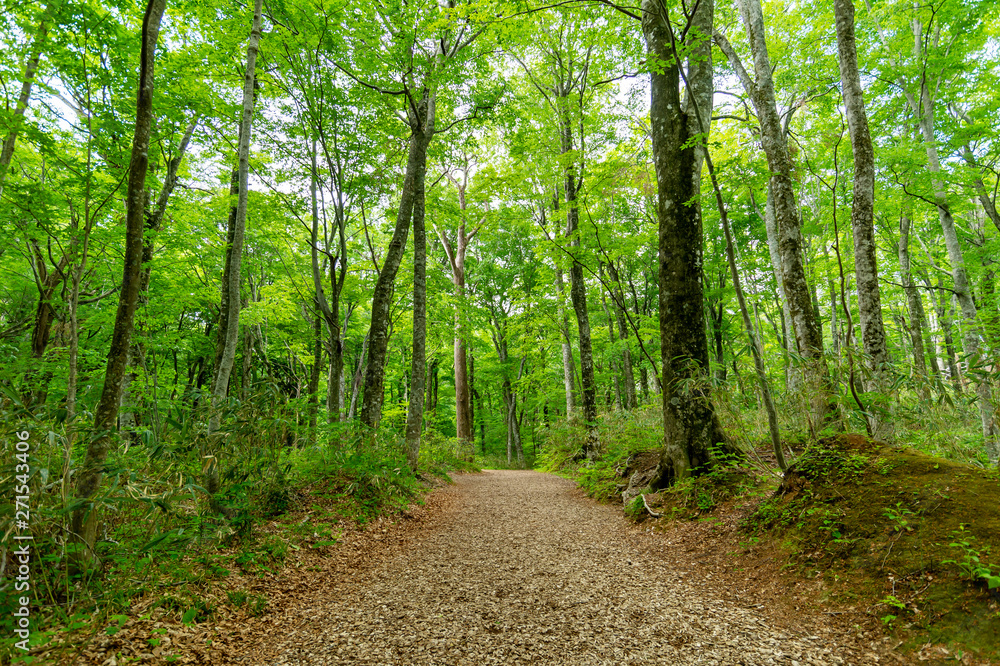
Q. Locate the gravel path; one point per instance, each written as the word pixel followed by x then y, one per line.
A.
pixel 520 569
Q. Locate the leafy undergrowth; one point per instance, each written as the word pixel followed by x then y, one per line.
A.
pixel 185 565
pixel 914 539
pixel 623 436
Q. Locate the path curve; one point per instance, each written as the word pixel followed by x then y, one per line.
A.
pixel 521 569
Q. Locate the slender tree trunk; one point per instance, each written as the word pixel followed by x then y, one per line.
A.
pixel 691 427
pixel 835 332
pixel 808 334
pixel 623 335
pixel 47 283
pixel 422 128
pixel 154 222
pixel 963 290
pixel 758 358
pixel 915 307
pixel 330 309
pixel 223 325
pixel 27 82
pixel 358 377
pixel 945 313
pixel 230 335
pixel 615 378
pixel 472 404
pixel 922 103
pixel 456 258
pixel 569 369
pixel 76 277
pixel 863 217
pixel 716 311
pixel 415 409
pixel 83 521
pixel 312 389
pixel 792 378
pixel 578 287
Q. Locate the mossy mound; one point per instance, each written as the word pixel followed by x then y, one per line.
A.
pixel 914 539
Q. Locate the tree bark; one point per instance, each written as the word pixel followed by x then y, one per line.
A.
pixel 421 117
pixel 804 323
pixel 312 389
pixel 945 311
pixel 569 367
pixel 691 427
pixel 337 266
pixel 358 377
pixel 83 521
pixel 863 220
pixel 456 258
pixel 418 361
pixel 578 287
pixel 623 335
pixel 960 278
pixel 578 295
pixel 231 285
pixel 792 375
pixel 154 222
pixel 916 308
pixel 922 103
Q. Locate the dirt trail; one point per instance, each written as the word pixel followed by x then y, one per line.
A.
pixel 519 568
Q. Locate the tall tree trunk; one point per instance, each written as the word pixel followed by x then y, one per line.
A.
pixel 329 308
pixel 916 308
pixel 863 216
pixel 47 283
pixel 835 332
pixel 312 389
pixel 230 336
pixel 623 335
pixel 456 258
pixel 422 127
pixel 922 103
pixel 578 287
pixel 792 374
pixel 359 374
pixel 924 108
pixel 716 311
pixel 76 278
pixel 223 326
pixel 83 521
pixel 758 358
pixel 418 361
pixel 569 367
pixel 615 378
pixel 945 312
pixel 690 425
pixel 805 324
pixel 154 222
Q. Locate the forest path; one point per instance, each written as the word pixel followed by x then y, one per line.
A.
pixel 520 568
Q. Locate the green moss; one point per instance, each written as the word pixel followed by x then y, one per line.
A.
pixel 885 521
